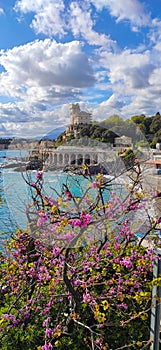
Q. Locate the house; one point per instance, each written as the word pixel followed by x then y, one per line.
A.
pixel 123 142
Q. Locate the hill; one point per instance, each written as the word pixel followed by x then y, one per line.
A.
pixel 139 127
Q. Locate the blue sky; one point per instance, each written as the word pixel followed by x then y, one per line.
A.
pixel 104 54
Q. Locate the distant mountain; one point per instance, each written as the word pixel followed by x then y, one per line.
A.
pixel 52 135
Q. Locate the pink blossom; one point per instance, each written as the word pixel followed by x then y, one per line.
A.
pixel 42 219
pixel 48 332
pixel 84 220
pixel 136 206
pixel 68 194
pixel 126 262
pixel 50 200
pixel 112 291
pixel 39 175
pixel 77 283
pixel 123 306
pixel 86 298
pixel 46 321
pixel 11 318
pixel 117 246
pixel 68 236
pixel 56 251
pixel 95 184
pixel 46 311
pixel 47 346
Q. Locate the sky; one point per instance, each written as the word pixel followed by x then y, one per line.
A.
pixel 103 54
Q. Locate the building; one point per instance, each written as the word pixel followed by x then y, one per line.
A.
pixel 78 119
pixel 123 142
pixel 77 116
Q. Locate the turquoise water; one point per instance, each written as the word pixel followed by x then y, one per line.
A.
pixel 8 222
pixel 16 193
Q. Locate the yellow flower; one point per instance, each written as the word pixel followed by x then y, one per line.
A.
pixel 64 222
pixel 96 306
pixel 54 209
pixel 84 167
pixel 52 283
pixel 57 333
pixel 1 321
pixel 59 201
pixel 57 343
pixel 99 177
pixel 31 264
pixel 101 317
pixel 144 316
pixel 139 343
pixel 106 305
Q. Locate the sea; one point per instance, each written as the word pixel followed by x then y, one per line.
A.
pixel 16 193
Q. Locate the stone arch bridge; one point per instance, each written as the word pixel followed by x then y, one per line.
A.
pixel 71 155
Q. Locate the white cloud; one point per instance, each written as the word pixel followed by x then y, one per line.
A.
pixel 48 17
pixel 132 10
pixel 21 120
pixel 113 105
pixel 133 70
pixel 81 23
pixel 39 76
pixel 1 11
pixel 43 75
pixel 45 68
pixel 53 18
pixel 133 77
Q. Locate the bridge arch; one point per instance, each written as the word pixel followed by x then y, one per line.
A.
pixel 79 159
pixel 73 159
pixel 95 159
pixel 87 159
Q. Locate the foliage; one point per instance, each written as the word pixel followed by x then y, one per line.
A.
pixel 128 157
pixel 157 137
pixel 98 132
pixel 78 279
pixel 114 126
pixel 156 124
pixel 138 119
pixel 150 126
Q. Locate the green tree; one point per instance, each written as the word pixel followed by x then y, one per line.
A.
pixel 156 123
pixel 138 119
pixel 157 137
pixel 147 123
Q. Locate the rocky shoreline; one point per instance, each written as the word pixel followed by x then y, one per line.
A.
pixel 78 170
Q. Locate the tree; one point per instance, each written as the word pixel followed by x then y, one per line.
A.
pixel 156 123
pixel 147 123
pixel 157 137
pixel 79 279
pixel 138 119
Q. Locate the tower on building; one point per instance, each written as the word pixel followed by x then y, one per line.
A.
pixel 78 119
